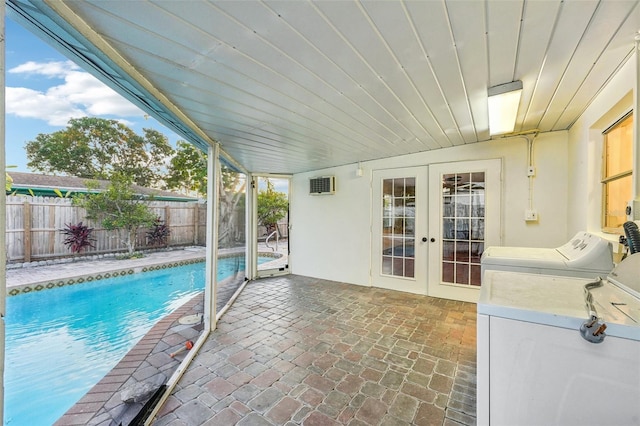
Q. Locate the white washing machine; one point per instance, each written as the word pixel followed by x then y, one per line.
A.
pixel 585 255
pixel 544 356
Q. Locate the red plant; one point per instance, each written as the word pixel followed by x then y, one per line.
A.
pixel 159 233
pixel 78 237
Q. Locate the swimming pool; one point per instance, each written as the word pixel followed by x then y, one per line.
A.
pixel 61 342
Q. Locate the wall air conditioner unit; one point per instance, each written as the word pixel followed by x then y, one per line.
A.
pixel 323 185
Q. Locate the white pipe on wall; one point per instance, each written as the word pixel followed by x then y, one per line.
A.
pixel 636 126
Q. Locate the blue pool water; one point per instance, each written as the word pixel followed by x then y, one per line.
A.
pixel 61 342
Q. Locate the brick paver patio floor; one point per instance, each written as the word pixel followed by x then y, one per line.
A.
pixel 294 350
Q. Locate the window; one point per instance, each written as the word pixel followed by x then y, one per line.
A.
pixel 617 180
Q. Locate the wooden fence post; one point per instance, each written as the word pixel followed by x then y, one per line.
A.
pixel 26 215
pixel 196 220
pixel 52 227
pixel 167 220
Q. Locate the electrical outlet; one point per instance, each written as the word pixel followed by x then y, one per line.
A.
pixel 531 215
pixel 531 171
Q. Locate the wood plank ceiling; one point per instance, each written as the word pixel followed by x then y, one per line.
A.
pixel 294 86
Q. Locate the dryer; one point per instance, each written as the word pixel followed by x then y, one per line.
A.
pixel 585 255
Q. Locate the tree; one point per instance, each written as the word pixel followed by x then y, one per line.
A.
pixel 97 148
pixel 187 169
pixel 188 172
pixel 232 188
pixel 272 206
pixel 118 208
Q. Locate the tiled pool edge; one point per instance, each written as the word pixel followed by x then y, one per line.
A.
pixel 15 290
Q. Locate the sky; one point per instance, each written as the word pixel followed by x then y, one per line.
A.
pixel 44 90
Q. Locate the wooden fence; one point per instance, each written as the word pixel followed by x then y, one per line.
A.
pixel 34 225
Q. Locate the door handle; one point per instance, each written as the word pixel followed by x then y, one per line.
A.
pixel 433 240
pixel 424 239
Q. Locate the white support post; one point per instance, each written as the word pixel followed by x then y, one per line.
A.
pixel 211 285
pixel 3 212
pixel 251 231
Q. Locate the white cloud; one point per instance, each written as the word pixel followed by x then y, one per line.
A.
pixel 28 103
pixel 48 69
pixel 79 95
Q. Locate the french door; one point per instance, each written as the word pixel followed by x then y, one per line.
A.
pixel 399 242
pixel 431 224
pixel 464 218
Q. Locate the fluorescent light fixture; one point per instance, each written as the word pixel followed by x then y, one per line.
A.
pixel 503 107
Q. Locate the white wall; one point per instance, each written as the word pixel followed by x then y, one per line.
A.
pixel 330 234
pixel 585 152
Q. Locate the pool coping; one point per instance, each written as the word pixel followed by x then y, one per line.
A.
pixel 148 361
pixel 34 277
pixel 82 278
pixel 107 269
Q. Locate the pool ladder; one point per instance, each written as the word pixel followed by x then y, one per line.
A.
pixel 266 242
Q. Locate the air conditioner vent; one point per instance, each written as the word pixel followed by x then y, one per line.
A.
pixel 322 185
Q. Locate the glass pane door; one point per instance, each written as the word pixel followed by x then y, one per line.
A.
pixel 463 198
pixel 464 218
pixel 398 237
pixel 398 226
